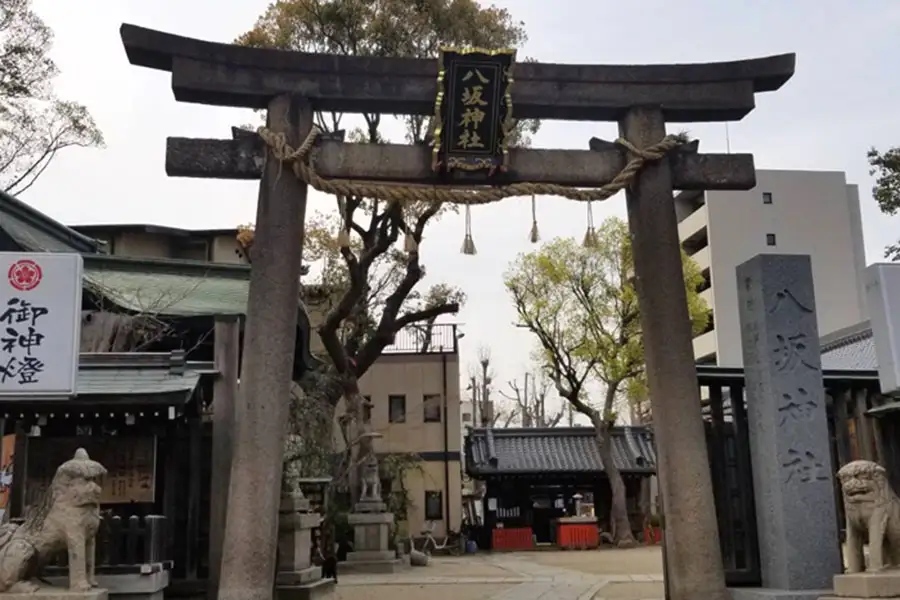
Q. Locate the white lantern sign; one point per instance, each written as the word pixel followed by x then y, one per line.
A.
pixel 40 323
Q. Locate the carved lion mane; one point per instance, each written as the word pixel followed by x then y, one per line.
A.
pixel 65 519
pixel 873 514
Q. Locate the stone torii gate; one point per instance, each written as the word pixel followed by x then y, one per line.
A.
pixel 291 86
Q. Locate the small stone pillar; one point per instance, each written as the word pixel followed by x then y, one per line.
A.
pixel 297 577
pixel 793 483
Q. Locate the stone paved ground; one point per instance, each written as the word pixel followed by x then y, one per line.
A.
pixel 576 575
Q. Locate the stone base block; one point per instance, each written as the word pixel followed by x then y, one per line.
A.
pixel 374 518
pixel 370 555
pixel 833 597
pixel 292 578
pixel 394 565
pixel 774 594
pixel 57 593
pixel 881 584
pixel 321 589
pixel 127 586
pixel 370 506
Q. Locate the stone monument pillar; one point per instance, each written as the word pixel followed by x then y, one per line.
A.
pixel 298 578
pixel 789 443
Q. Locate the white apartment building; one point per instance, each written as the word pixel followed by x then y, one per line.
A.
pixel 788 212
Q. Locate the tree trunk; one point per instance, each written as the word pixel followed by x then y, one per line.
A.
pixel 622 534
pixel 355 426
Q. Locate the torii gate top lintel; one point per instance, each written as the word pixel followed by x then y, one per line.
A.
pixel 230 75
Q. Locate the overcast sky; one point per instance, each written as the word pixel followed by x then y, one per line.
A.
pixel 842 100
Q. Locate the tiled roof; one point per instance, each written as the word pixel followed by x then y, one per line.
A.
pixel 850 349
pixel 36 232
pixel 180 288
pixel 132 378
pixel 169 287
pixel 559 450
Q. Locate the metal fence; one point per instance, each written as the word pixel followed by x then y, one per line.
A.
pixel 439 338
pixel 727 440
pixel 853 399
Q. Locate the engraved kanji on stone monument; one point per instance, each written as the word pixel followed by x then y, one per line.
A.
pixel 788 427
pixel 796 405
pixel 804 466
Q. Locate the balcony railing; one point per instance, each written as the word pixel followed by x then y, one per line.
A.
pixel 440 338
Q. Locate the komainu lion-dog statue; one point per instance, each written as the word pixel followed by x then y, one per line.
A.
pixel 65 519
pixel 873 514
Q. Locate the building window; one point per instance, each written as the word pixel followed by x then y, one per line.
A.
pixel 434 506
pixel 467 417
pixel 432 406
pixel 367 409
pixel 397 408
pixel 767 197
pixel 770 239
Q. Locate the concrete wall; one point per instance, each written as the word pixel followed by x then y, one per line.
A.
pixel 225 249
pixel 141 245
pixel 415 377
pixel 812 212
pixel 202 247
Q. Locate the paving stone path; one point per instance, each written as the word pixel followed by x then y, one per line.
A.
pixel 505 577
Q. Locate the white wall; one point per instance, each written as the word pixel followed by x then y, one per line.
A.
pixel 813 212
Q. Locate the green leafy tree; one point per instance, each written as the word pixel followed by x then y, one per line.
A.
pixel 34 123
pixel 886 169
pixel 373 282
pixel 581 305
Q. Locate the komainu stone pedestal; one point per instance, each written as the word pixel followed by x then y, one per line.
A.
pixel 878 584
pixel 57 593
pixel 150 585
pixel 298 578
pixel 371 531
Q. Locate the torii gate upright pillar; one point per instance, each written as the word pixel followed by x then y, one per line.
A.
pixel 261 411
pixel 683 461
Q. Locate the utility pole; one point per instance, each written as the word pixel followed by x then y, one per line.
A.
pixel 487 409
pixel 526 407
pixel 474 387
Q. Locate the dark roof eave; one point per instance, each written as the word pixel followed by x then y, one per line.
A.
pixel 78 241
pixel 477 472
pixel 150 228
pixel 83 401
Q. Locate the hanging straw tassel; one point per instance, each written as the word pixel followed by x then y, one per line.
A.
pixel 590 236
pixel 468 245
pixel 535 237
pixel 343 236
pixel 409 242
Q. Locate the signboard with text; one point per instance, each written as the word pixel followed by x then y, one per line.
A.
pixel 130 463
pixel 40 323
pixel 474 110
